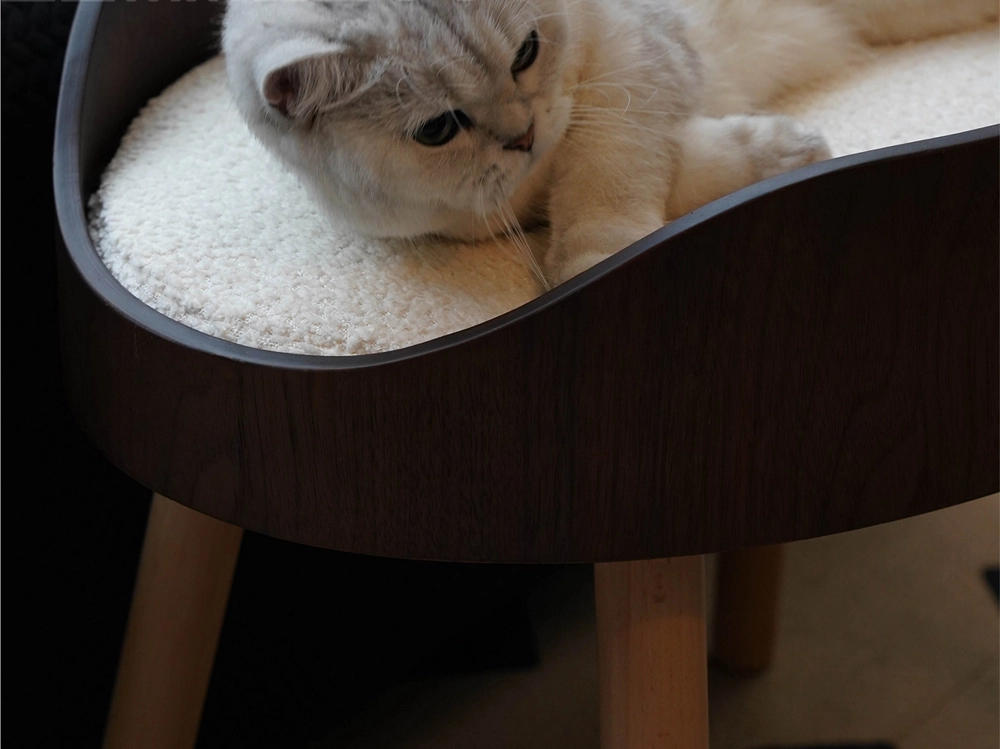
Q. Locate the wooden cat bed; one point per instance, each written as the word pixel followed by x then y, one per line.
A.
pixel 813 354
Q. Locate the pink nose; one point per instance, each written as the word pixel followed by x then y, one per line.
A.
pixel 524 142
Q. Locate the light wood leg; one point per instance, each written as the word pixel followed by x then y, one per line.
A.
pixel 652 663
pixel 178 605
pixel 746 607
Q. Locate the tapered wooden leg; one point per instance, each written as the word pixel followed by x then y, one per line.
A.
pixel 746 607
pixel 178 606
pixel 652 663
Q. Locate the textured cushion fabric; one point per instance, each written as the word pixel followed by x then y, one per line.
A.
pixel 196 220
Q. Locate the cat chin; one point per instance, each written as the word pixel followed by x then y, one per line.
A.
pixel 519 193
pixel 422 221
pixel 406 222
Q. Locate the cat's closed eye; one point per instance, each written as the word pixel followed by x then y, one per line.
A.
pixel 526 54
pixel 443 128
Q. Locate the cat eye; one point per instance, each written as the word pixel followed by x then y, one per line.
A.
pixel 526 54
pixel 442 128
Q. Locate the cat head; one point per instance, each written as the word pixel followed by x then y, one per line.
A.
pixel 404 117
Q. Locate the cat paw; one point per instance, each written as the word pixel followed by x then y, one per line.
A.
pixel 779 144
pixel 574 266
pixel 584 244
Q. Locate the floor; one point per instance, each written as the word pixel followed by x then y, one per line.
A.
pixel 889 638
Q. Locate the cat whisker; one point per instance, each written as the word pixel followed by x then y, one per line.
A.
pixel 627 68
pixel 511 228
pixel 581 107
pixel 419 251
pixel 516 234
pixel 620 124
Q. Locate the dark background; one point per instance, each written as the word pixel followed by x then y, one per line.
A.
pixel 309 634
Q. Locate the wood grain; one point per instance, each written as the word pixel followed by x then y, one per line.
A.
pixel 747 603
pixel 652 665
pixel 178 606
pixel 810 355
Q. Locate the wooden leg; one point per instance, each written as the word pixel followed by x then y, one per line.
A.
pixel 178 606
pixel 652 663
pixel 746 607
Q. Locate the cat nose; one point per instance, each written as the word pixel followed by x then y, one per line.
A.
pixel 523 142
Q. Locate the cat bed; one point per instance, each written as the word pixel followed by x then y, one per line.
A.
pixel 195 219
pixel 814 354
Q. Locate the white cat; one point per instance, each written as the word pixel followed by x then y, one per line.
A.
pixel 602 118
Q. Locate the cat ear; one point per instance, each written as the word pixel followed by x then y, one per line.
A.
pixel 299 78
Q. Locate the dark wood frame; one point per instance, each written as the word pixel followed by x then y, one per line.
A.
pixel 815 353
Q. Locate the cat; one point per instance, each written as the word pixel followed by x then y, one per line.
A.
pixel 600 119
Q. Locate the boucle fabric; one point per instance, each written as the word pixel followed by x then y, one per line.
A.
pixel 196 220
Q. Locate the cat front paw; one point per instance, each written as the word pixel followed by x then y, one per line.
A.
pixel 584 244
pixel 778 144
pixel 574 266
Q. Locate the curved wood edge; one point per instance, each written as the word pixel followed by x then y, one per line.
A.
pixel 811 355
